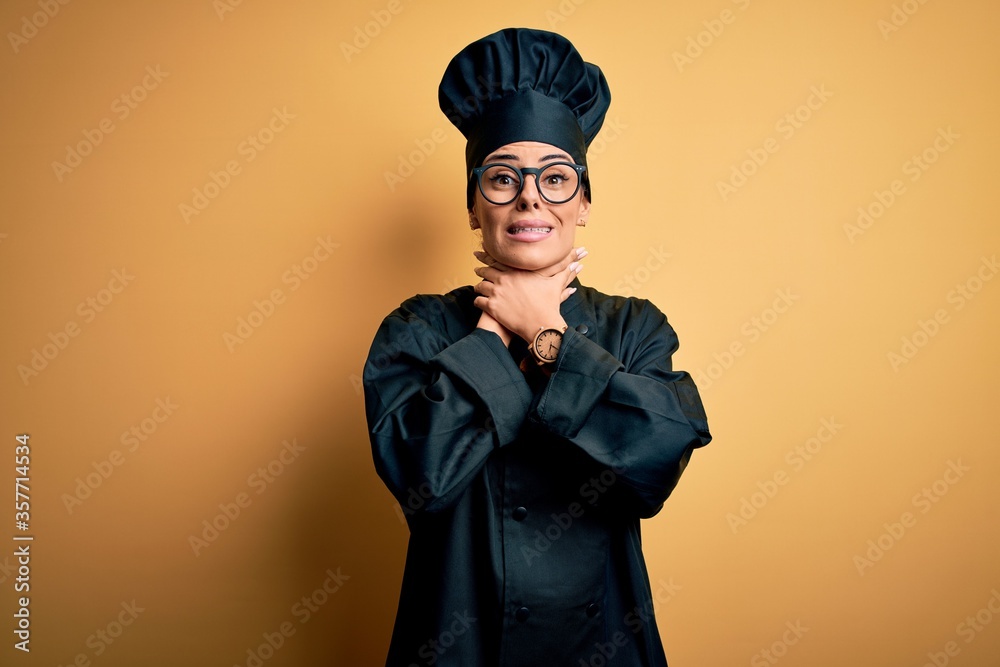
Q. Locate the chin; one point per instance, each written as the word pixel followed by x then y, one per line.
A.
pixel 528 259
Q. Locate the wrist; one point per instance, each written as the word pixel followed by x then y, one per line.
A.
pixel 487 323
pixel 538 324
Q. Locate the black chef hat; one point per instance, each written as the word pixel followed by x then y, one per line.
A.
pixel 520 84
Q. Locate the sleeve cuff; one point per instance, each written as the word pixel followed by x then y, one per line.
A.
pixel 580 377
pixel 482 361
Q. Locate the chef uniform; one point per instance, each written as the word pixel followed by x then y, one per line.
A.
pixel 523 490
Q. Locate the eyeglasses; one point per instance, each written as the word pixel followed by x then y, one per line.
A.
pixel 501 184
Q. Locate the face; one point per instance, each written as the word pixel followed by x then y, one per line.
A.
pixel 529 232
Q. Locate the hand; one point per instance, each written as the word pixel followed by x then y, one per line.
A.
pixel 521 301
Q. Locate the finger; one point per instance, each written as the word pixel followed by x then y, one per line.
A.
pixel 491 261
pixel 567 293
pixel 480 302
pixel 572 271
pixel 484 288
pixel 564 263
pixel 486 258
pixel 489 273
pixel 575 254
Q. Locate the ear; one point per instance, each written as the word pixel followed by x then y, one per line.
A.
pixel 473 220
pixel 584 212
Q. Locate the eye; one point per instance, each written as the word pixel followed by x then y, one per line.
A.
pixel 501 176
pixel 558 175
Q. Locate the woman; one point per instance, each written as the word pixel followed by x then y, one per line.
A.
pixel 526 424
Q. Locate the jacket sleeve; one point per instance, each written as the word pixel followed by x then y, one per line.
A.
pixel 634 415
pixel 437 408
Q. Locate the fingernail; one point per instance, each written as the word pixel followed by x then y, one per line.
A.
pixel 572 290
pixel 578 268
pixel 581 252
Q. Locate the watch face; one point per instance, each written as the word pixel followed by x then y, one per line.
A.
pixel 547 344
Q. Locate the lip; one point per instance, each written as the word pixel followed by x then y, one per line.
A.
pixel 532 236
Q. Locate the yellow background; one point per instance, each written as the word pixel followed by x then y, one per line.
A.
pixel 675 130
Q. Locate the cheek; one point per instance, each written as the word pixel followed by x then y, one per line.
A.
pixel 492 224
pixel 489 234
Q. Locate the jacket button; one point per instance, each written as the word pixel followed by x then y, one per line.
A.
pixel 520 514
pixel 522 614
pixel 582 328
pixel 592 609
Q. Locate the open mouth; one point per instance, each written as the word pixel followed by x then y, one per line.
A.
pixel 515 229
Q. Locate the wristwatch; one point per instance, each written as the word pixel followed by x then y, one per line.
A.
pixel 545 347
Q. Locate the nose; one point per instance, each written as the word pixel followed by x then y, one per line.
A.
pixel 529 196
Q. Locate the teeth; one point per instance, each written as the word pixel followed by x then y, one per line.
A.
pixel 544 230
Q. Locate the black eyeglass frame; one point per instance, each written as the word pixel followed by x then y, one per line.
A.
pixel 530 171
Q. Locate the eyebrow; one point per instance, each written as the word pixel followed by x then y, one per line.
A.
pixel 544 158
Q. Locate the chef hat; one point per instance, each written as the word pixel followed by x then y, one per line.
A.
pixel 520 84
